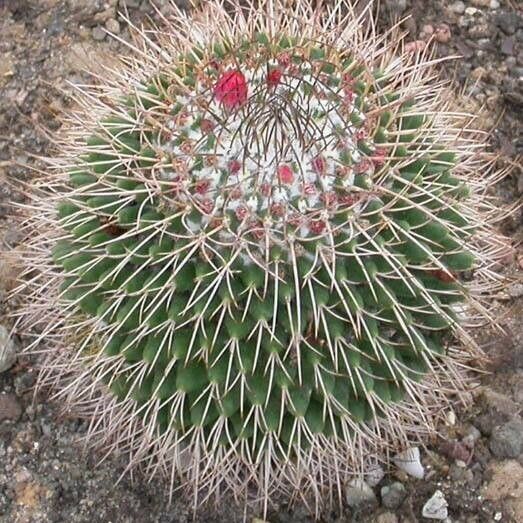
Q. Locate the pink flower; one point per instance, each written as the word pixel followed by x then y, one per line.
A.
pixel 242 212
pixel 363 166
pixel 317 226
pixel 284 59
pixel 378 158
pixel 285 174
pixel 202 186
pixel 234 166
pixel 231 89
pixel 348 199
pixel 274 77
pixel 206 206
pixel 319 164
pixel 207 125
pixel 277 209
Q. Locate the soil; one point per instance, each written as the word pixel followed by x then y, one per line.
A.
pixel 45 476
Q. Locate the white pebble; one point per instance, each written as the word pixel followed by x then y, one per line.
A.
pixel 409 462
pixel 436 507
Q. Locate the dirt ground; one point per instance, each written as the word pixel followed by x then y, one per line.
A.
pixel 44 475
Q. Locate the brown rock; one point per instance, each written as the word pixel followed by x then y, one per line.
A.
pixel 10 408
pixel 442 33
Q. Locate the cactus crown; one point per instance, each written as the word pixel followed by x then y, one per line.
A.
pixel 257 245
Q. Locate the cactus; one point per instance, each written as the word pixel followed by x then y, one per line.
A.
pixel 251 260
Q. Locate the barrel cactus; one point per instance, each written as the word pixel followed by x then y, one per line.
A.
pixel 254 260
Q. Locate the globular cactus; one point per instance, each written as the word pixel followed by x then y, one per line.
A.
pixel 247 267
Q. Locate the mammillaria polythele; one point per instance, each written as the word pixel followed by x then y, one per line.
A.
pixel 245 263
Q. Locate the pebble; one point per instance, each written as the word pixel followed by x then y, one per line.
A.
pixel 506 441
pixel 7 350
pixel 515 290
pixel 472 435
pixel 409 462
pixel 374 474
pixel 113 26
pixel 458 7
pixel 359 494
pixel 98 33
pixel 442 33
pixel 436 507
pixel 10 408
pixel 393 495
pixel 508 21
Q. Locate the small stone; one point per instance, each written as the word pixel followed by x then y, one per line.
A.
pixel 494 4
pixel 393 495
pixel 472 435
pixel 387 517
pixel 7 350
pixel 508 21
pixel 103 16
pixel 113 26
pixel 442 33
pixel 507 45
pixel 10 408
pixel 458 7
pixel 409 462
pixel 98 33
pixel 426 31
pixel 436 507
pixel 506 440
pixel 498 516
pixel 479 73
pixel 374 474
pixel 359 494
pixel 515 290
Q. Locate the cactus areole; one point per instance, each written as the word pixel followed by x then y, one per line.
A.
pixel 251 251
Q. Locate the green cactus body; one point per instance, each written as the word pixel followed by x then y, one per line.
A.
pixel 266 236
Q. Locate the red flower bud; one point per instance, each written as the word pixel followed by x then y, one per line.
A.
pixel 285 174
pixel 274 77
pixel 231 89
pixel 319 165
